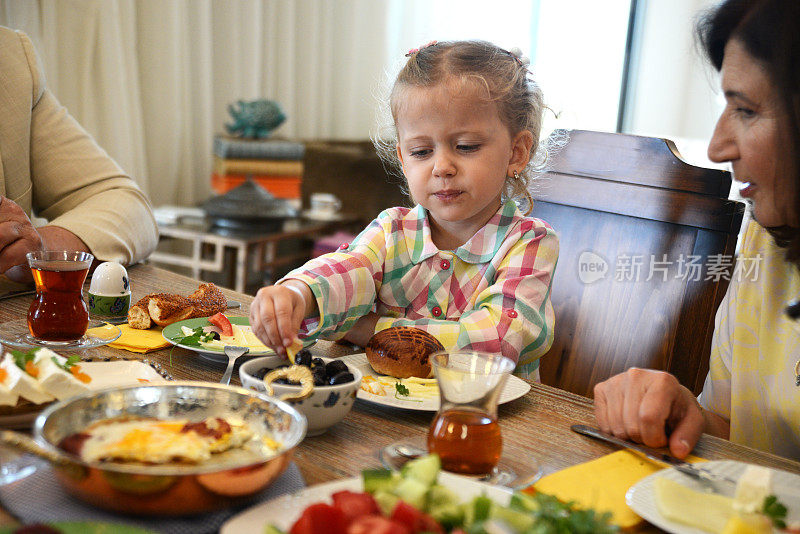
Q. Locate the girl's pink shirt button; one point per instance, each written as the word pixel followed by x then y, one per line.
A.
pixel 445 264
pixel 344 245
pixel 436 311
pixel 511 313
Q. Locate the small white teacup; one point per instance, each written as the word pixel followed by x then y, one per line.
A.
pixel 325 203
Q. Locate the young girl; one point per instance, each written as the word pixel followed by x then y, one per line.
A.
pixel 464 264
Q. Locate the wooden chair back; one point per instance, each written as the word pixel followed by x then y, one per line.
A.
pixel 647 246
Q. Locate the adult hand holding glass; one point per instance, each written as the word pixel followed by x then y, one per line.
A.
pixel 653 408
pixel 278 311
pixel 17 237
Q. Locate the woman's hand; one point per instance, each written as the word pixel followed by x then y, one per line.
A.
pixel 640 404
pixel 278 311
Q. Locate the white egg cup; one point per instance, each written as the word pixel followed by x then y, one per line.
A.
pixel 109 291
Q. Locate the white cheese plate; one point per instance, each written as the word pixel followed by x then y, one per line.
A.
pixel 104 375
pixel 642 500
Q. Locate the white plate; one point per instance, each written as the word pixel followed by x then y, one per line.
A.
pixel 515 388
pixel 173 332
pixel 641 496
pixel 284 511
pixel 104 375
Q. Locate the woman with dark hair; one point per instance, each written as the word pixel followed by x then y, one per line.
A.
pixel 752 393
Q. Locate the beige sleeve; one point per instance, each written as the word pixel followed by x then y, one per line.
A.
pixel 79 187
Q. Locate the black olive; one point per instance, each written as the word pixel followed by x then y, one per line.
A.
pixel 342 378
pixel 317 362
pixel 214 335
pixel 303 357
pixel 319 376
pixel 261 373
pixel 335 367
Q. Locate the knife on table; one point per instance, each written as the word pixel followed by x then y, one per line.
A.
pixel 694 471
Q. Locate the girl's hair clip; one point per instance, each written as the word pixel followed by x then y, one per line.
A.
pixel 516 53
pixel 415 50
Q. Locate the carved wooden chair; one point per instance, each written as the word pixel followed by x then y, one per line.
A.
pixel 647 250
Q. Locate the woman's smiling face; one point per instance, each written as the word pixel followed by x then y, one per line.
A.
pixel 749 135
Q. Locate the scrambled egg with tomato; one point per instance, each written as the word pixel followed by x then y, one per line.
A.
pixel 156 441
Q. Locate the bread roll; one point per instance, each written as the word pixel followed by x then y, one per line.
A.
pixel 166 308
pixel 402 352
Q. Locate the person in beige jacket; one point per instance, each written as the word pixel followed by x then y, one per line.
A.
pixel 51 167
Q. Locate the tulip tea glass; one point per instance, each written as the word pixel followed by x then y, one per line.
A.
pixel 58 313
pixel 465 433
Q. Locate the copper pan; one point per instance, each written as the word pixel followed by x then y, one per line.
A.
pixel 229 479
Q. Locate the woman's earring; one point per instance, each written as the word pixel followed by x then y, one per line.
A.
pixel 516 175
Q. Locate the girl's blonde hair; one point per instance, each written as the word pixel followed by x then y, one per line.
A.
pixel 505 80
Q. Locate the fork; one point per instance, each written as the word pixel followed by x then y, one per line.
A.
pixel 232 352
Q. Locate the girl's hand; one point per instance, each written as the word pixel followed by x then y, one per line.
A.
pixel 278 311
pixel 639 404
pixel 363 330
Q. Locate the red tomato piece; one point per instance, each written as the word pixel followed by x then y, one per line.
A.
pixel 320 518
pixel 415 520
pixel 376 524
pixel 354 505
pixel 221 321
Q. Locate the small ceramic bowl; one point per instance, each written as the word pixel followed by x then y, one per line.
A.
pixel 109 291
pixel 326 406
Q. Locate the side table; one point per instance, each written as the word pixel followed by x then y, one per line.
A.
pixel 237 254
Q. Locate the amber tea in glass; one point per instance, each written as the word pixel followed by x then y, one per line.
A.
pixel 58 312
pixel 465 433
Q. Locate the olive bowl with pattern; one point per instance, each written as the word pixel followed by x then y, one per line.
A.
pixel 327 405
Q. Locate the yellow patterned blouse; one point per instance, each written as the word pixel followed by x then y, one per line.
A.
pixel 755 348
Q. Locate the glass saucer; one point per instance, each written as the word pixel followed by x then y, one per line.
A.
pixel 16 334
pixel 15 465
pixel 511 473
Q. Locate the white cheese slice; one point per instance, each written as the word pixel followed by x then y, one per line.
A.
pixel 24 384
pixel 753 487
pixel 55 380
pixel 7 396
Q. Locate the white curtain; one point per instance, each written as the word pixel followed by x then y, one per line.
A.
pixel 152 79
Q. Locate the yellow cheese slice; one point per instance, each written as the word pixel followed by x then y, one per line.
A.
pixel 601 484
pixel 707 511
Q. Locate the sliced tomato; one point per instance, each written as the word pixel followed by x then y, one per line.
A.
pixel 415 520
pixel 221 321
pixel 376 524
pixel 320 518
pixel 354 505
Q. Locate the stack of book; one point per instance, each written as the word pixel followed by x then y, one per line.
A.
pixel 275 165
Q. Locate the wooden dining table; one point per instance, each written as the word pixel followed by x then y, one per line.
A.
pixel 534 427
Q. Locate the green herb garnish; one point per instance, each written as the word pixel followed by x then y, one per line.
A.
pixel 401 389
pixel 195 338
pixel 555 516
pixel 22 358
pixel 775 510
pixel 67 365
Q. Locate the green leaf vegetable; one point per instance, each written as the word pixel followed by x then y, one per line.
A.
pixel 401 389
pixel 67 365
pixel 775 511
pixel 22 358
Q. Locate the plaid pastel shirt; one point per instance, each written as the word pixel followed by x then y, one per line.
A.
pixel 491 294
